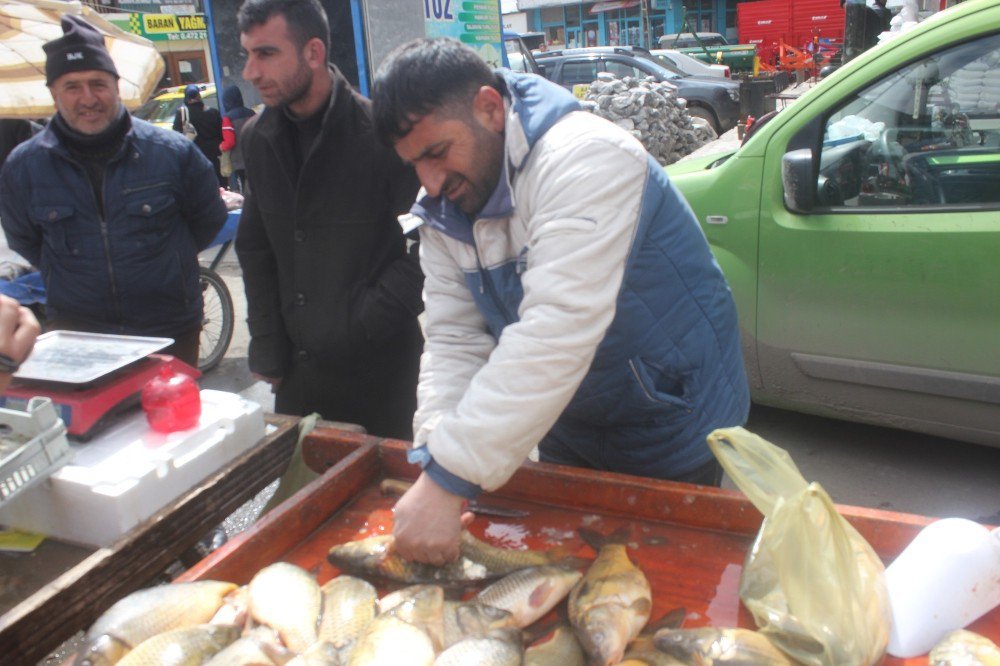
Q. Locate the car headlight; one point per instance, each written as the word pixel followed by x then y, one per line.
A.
pixel 734 93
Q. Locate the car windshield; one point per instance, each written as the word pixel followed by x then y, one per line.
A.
pixel 667 64
pixel 158 110
pixel 662 70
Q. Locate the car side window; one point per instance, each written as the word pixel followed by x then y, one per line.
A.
pixel 926 135
pixel 579 71
pixel 621 69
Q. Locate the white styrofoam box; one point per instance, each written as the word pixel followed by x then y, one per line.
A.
pixel 125 475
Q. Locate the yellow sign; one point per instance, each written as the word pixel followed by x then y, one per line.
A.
pixel 194 22
pixel 160 23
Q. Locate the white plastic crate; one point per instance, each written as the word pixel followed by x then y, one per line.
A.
pixel 125 475
pixel 34 446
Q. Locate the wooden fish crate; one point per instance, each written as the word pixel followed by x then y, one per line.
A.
pixel 689 540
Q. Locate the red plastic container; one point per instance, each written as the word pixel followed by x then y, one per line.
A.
pixel 171 401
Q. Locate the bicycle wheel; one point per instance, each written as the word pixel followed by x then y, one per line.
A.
pixel 216 321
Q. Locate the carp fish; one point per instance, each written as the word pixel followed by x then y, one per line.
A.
pixel 478 561
pixel 561 649
pixel 612 602
pixel 349 604
pixel 189 646
pixel 965 648
pixel 420 605
pixel 287 599
pixel 389 641
pixel 530 593
pixel 719 647
pixel 146 613
pixel 482 652
pixel 475 620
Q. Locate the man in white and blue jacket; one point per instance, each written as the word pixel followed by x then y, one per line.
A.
pixel 571 298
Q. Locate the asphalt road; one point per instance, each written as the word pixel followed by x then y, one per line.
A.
pixel 857 464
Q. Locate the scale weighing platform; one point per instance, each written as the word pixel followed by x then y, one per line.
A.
pixel 90 377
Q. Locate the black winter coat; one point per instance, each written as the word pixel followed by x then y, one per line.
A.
pixel 332 293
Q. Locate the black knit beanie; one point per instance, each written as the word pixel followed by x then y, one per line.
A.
pixel 81 48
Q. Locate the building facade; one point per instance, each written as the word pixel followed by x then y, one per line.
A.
pixel 625 22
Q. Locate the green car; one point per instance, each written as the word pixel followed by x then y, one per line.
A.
pixel 859 229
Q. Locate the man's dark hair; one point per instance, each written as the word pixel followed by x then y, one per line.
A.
pixel 306 19
pixel 424 76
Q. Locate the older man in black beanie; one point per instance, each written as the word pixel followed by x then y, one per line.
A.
pixel 111 209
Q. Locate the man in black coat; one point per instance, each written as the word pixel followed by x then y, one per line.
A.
pixel 332 293
pixel 208 123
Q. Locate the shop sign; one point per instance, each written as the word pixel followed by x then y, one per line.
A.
pixel 165 27
pixel 475 23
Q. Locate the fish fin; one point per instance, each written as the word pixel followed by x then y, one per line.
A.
pixel 672 619
pixel 595 539
pixel 564 556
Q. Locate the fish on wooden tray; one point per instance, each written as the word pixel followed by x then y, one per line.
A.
pixel 288 599
pixel 478 561
pixel 182 647
pixel 713 646
pixel 530 593
pixel 349 604
pixel 390 641
pixel 612 602
pixel 561 649
pixel 146 613
pixel 482 652
pixel 475 620
pixel 965 648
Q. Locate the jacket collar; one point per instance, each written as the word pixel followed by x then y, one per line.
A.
pixel 275 127
pixel 533 106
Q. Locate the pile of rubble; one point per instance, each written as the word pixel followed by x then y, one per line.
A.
pixel 652 112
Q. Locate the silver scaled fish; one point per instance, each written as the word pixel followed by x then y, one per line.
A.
pixel 711 646
pixel 146 613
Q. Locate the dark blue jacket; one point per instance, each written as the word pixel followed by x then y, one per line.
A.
pixel 134 270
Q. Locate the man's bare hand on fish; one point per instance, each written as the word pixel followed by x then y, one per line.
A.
pixel 427 522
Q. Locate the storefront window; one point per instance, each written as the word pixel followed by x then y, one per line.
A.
pixel 553 26
pixel 700 15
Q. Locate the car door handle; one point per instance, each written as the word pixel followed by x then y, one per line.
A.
pixel 716 219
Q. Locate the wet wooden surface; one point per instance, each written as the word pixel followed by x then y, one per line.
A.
pixel 77 584
pixel 689 540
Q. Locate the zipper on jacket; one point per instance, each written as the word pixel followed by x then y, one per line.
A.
pixel 485 283
pixel 101 216
pixel 107 252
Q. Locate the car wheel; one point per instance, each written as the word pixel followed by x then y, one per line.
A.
pixel 701 112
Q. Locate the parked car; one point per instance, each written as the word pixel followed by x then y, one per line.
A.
pixel 711 47
pixel 860 230
pixel 713 99
pixel 160 108
pixel 689 65
pixel 518 53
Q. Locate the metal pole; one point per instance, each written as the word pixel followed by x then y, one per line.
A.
pixel 213 51
pixel 360 52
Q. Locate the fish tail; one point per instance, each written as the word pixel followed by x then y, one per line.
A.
pixel 595 539
pixel 564 556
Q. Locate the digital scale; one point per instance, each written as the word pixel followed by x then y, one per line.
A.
pixel 90 377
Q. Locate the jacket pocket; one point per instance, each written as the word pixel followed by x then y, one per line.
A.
pixel 661 386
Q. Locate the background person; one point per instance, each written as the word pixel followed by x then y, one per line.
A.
pixel 237 115
pixel 572 300
pixel 111 209
pixel 208 123
pixel 332 294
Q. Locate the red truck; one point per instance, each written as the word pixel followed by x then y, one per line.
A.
pixel 803 24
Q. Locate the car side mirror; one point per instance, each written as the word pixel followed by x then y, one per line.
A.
pixel 799 180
